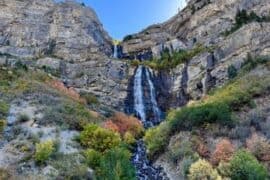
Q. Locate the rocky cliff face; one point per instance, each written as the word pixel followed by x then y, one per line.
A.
pixel 38 28
pixel 202 22
pixel 67 38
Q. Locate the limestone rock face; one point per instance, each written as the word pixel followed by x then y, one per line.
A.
pixel 107 79
pixel 38 28
pixel 201 21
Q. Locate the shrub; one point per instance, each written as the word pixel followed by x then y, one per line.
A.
pixel 92 157
pixel 242 18
pixel 240 133
pixel 223 152
pixel 244 166
pixel 135 63
pixel 4 174
pixel 3 109
pixel 2 124
pixel 202 149
pixel 156 139
pixel 23 118
pixel 91 99
pixel 170 60
pixel 98 138
pixel 218 107
pixel 43 151
pixel 67 113
pixel 202 170
pixel 116 164
pixel 232 72
pixel 70 167
pixel 198 115
pixel 127 38
pixel 70 92
pixel 129 138
pixel 186 163
pixel 180 150
pixel 20 65
pixel 110 125
pixel 259 146
pixel 127 124
pixel 224 169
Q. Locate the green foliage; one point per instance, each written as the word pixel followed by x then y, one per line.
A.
pixel 129 138
pixel 91 99
pixel 253 62
pixel 186 163
pixel 68 113
pixel 171 60
pixel 116 165
pixel 99 139
pixel 4 107
pixel 43 151
pixel 216 108
pixel 202 170
pixel 224 169
pixel 70 167
pixel 198 115
pixel 51 71
pixel 20 65
pixel 244 166
pixel 127 38
pixel 2 124
pixel 156 139
pixel 180 150
pixel 23 118
pixel 232 72
pixel 242 18
pixel 93 158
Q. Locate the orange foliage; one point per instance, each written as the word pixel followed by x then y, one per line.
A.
pixel 259 146
pixel 111 126
pixel 223 152
pixel 70 92
pixel 125 123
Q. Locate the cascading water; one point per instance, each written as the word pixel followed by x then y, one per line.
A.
pixel 154 103
pixel 115 51
pixel 144 169
pixel 138 94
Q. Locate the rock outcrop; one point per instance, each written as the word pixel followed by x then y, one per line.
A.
pixel 37 28
pixel 66 38
pixel 201 21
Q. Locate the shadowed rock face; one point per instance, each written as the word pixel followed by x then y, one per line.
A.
pixel 37 28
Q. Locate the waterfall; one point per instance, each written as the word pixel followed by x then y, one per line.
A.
pixel 155 107
pixel 115 51
pixel 145 100
pixel 138 94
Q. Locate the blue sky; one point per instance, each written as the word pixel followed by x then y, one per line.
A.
pixel 123 17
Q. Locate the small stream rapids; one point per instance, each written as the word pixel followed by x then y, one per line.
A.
pixel 144 169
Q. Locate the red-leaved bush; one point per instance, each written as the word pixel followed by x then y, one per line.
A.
pixel 259 146
pixel 70 92
pixel 110 125
pixel 223 152
pixel 124 123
